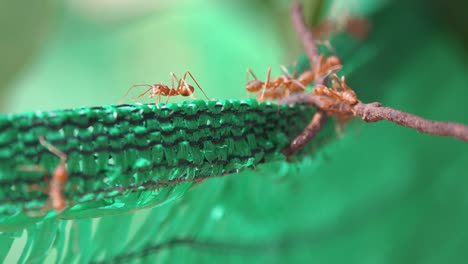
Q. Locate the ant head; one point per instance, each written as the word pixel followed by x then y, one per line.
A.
pixel 254 86
pixel 160 88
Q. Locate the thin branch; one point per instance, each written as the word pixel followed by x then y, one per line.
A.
pixel 372 112
pixel 304 33
pixel 308 42
pixel 308 134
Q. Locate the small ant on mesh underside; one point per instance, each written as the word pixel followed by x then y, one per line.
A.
pixel 182 89
pixel 57 181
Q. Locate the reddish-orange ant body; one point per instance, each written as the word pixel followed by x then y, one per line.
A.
pixel 340 91
pixel 270 88
pixel 288 83
pixel 182 89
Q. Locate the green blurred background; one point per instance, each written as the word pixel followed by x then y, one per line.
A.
pixel 380 194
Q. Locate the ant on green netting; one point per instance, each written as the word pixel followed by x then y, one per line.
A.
pixel 57 181
pixel 283 86
pixel 271 87
pixel 182 89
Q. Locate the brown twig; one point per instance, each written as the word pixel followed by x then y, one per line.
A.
pixel 305 34
pixel 372 112
pixel 308 134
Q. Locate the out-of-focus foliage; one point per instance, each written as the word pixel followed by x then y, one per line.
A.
pixel 380 194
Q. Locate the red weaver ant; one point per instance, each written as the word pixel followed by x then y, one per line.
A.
pixel 182 89
pixel 288 83
pixel 271 87
pixel 340 90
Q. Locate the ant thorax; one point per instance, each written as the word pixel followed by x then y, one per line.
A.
pixel 350 97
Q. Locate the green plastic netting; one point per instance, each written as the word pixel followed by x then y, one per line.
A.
pixel 127 157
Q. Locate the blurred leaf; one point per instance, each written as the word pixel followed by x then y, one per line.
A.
pixel 24 25
pixel 381 194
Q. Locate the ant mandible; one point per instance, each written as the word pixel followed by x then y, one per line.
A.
pixel 182 89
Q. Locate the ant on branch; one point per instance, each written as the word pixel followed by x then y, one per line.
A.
pixel 283 86
pixel 339 93
pixel 56 182
pixel 182 88
pixel 271 88
pixel 340 90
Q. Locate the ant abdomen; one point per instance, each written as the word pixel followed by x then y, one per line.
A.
pixel 186 90
pixel 306 77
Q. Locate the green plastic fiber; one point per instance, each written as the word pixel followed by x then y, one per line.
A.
pixel 126 157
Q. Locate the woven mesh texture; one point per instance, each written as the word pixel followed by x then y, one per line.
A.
pixel 126 157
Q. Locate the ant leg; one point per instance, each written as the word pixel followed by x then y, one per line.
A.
pixel 54 150
pixel 250 72
pixel 320 63
pixel 143 94
pixel 298 83
pixel 294 73
pixel 191 76
pixel 344 85
pixel 266 84
pixel 286 71
pixel 173 77
pixel 327 45
pixel 131 88
pixel 336 84
pixel 38 168
pixel 247 79
pixel 184 80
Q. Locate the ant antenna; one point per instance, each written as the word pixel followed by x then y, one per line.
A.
pixel 267 82
pixel 249 71
pixel 131 88
pixel 54 150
